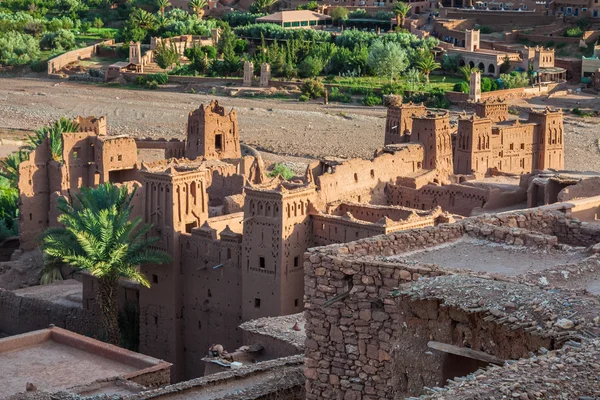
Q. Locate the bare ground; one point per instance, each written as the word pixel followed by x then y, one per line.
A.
pixel 283 127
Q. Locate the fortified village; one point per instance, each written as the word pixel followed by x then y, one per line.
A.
pixel 443 247
pixel 243 248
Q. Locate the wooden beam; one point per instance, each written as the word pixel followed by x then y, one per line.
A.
pixel 465 352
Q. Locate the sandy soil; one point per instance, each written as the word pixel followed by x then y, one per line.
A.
pixel 484 256
pixel 282 127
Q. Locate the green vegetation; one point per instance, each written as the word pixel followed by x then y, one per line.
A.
pixel 9 210
pixel 313 88
pixel 573 32
pixel 283 171
pixel 461 87
pixel 100 237
pixel 581 113
pixel 401 10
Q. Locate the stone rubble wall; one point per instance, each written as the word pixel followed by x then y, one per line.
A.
pixel 19 314
pixel 349 343
pixel 511 236
pixel 423 320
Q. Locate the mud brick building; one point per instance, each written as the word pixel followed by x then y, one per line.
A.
pixel 238 237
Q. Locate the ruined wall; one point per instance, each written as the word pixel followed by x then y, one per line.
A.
pixel 212 133
pixel 457 199
pixel 349 344
pixel 418 322
pixel 363 181
pixel 549 221
pixel 20 314
pixel 328 229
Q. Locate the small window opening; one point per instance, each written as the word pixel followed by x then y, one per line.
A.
pixel 209 293
pixel 261 262
pixel 219 142
pixel 296 303
pixel 119 157
pixel 154 278
pixel 256 302
pixel 296 262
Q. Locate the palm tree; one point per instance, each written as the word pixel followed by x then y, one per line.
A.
pixel 9 166
pixel 162 4
pixel 466 70
pixel 427 64
pixel 99 237
pixel 54 132
pixel 264 6
pixel 198 7
pixel 143 19
pixel 401 10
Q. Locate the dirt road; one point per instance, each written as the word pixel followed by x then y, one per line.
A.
pixel 281 126
pixel 284 127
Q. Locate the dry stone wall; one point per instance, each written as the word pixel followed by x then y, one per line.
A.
pixel 19 314
pixel 352 323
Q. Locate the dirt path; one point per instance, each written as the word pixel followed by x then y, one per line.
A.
pixel 283 127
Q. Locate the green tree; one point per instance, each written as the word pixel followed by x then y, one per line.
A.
pixel 162 5
pixel 166 56
pixel 143 19
pixel 9 209
pixel 231 62
pixel 505 66
pixel 262 6
pixel 339 15
pixel 86 26
pixel 466 70
pixel 9 167
pixel 18 48
pixel 311 67
pixel 198 6
pixel 401 10
pixel 54 134
pixel 100 237
pixel 427 64
pixel 387 59
pixel 98 23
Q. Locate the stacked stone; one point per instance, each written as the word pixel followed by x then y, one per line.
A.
pixel 349 342
pixel 567 373
pixel 511 236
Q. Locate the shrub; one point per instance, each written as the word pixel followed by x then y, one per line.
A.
pixel 337 95
pixel 485 29
pixel 211 51
pixel 151 85
pixel 573 32
pixel 310 67
pixel 313 88
pixel 372 100
pixel 39 65
pixel 140 80
pixel 160 78
pixel 303 98
pixel 462 87
pixel 486 84
pixel 392 88
pixel 280 169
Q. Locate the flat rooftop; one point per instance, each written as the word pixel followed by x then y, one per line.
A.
pixel 484 256
pixel 55 359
